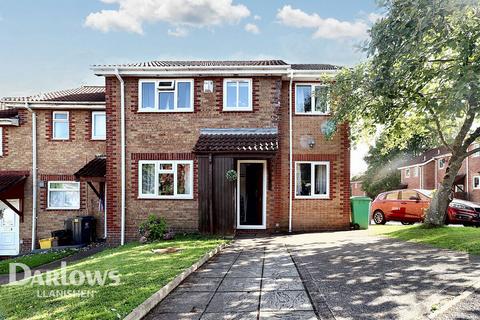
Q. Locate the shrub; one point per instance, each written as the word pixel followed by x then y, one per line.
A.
pixel 154 228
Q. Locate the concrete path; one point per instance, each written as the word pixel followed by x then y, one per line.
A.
pixel 252 279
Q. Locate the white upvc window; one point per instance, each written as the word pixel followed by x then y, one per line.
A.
pixel 99 125
pixel 475 146
pixel 312 98
pixel 1 141
pixel 165 95
pixel 64 195
pixel 441 163
pixel 312 179
pixel 476 182
pixel 407 173
pixel 415 171
pixel 237 95
pixel 165 179
pixel 61 128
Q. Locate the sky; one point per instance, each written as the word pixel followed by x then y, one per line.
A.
pixel 49 45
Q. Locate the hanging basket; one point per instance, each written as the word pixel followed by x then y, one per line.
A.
pixel 231 175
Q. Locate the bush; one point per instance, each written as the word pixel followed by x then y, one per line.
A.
pixel 154 228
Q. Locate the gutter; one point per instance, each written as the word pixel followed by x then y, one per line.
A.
pixel 122 155
pixel 290 155
pixel 34 174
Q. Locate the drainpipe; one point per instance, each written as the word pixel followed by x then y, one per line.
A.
pixel 34 174
pixel 467 169
pixel 122 155
pixel 290 154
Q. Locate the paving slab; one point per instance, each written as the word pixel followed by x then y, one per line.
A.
pixel 282 284
pixel 285 301
pixel 225 302
pixel 230 316
pixel 184 301
pixel 245 284
pixel 290 315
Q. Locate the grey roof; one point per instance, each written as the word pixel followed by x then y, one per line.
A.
pixel 310 66
pixel 81 94
pixel 426 156
pixel 198 63
pixel 220 64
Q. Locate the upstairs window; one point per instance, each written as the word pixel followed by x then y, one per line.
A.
pixel 172 95
pixel 61 130
pixel 99 125
pixel 476 182
pixel 63 195
pixel 312 99
pixel 1 141
pixel 415 171
pixel 407 173
pixel 312 180
pixel 476 146
pixel 441 163
pixel 237 95
pixel 166 179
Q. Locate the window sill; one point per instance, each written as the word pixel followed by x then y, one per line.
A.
pixel 167 111
pixel 327 197
pixel 237 110
pixel 62 209
pixel 61 140
pixel 165 198
pixel 98 139
pixel 312 114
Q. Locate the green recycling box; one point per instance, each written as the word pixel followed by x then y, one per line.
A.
pixel 360 212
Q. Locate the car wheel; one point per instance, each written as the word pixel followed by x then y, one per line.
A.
pixel 405 223
pixel 378 217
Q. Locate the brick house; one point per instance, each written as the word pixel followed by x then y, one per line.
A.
pixel 356 188
pixel 68 134
pixel 427 170
pixel 176 129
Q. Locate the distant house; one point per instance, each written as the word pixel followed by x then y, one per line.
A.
pixel 427 170
pixel 356 188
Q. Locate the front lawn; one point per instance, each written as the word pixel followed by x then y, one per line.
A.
pixel 466 239
pixel 35 259
pixel 141 273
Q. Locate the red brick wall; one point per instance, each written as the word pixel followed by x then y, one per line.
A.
pixel 412 181
pixel 356 189
pixel 56 160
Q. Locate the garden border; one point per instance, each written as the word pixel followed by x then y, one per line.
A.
pixel 145 307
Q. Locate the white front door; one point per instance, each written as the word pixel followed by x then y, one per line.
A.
pixel 252 194
pixel 9 229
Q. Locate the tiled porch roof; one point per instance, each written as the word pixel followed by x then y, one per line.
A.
pixel 96 168
pixel 241 140
pixel 8 113
pixel 9 180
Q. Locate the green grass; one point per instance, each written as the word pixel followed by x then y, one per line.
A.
pixel 465 239
pixel 36 259
pixel 141 271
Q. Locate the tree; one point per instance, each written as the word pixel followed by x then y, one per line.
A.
pixel 421 78
pixel 382 172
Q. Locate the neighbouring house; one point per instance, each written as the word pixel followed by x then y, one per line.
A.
pixel 69 133
pixel 356 188
pixel 212 146
pixel 426 171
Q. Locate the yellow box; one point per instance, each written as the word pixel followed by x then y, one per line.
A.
pixel 46 243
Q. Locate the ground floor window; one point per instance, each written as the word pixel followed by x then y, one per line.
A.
pixel 312 179
pixel 476 182
pixel 166 179
pixel 63 195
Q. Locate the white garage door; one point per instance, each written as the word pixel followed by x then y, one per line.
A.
pixel 9 230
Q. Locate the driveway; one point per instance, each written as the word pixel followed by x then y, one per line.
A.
pixel 357 276
pixel 332 275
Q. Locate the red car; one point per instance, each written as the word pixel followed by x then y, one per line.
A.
pixel 408 206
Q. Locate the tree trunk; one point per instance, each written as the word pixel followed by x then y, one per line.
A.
pixel 436 213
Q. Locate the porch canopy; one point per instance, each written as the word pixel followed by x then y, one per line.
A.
pixel 12 185
pixel 94 171
pixel 218 151
pixel 238 141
